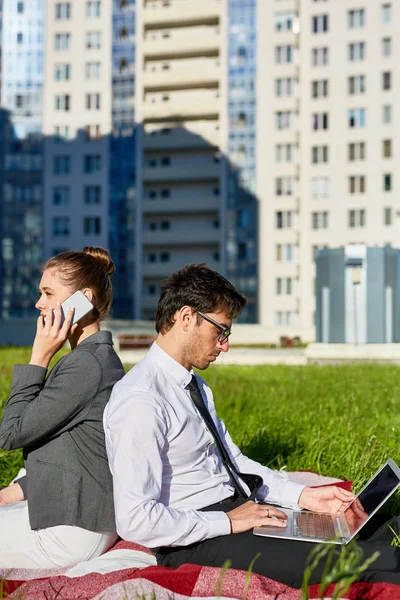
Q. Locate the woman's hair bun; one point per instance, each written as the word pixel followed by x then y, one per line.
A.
pixel 102 256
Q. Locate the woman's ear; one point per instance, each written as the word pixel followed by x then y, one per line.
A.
pixel 88 293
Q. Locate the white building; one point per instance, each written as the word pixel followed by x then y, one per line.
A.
pixel 181 147
pixel 326 143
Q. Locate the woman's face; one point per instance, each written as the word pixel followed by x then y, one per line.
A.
pixel 51 290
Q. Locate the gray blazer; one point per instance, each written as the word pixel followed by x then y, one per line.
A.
pixel 58 422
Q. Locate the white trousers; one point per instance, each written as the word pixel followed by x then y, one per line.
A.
pixel 61 546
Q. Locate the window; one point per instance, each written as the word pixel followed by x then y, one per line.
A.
pixel 284 286
pixel 356 51
pixel 62 72
pixel 284 153
pixel 319 121
pixel 20 38
pixel 284 86
pixel 165 193
pixel 92 163
pixel 93 40
pixel 387 216
pixel 20 8
pixel 63 10
pixel 387 113
pixel 319 56
pixel 357 117
pixel 316 248
pixel 356 18
pixel 387 80
pixel 92 225
pixel 387 148
pixel 356 84
pixel 284 317
pixel 61 132
pixel 386 13
pixel 320 187
pixel 62 41
pixel 320 24
pixel 387 182
pixel 19 101
pixel 61 164
pixel 93 9
pixel 357 218
pixel 387 47
pixel 356 184
pixel 284 252
pixel 92 70
pixel 284 219
pixel 284 186
pixel 284 54
pixel 61 195
pixel 284 21
pixel 356 151
pixel 319 220
pixel 92 194
pixel 284 119
pixel 165 161
pixel 319 154
pixel 63 102
pixel 93 101
pixel 93 132
pixel 319 88
pixel 61 226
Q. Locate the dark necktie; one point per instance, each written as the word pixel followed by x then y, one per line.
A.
pixel 254 482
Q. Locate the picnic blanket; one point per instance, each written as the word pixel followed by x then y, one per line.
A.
pixel 128 571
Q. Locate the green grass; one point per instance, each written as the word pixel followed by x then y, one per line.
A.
pixel 342 421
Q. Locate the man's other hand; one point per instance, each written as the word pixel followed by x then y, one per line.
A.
pixel 12 493
pixel 328 499
pixel 249 515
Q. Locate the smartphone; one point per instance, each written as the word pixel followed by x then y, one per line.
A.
pixel 81 304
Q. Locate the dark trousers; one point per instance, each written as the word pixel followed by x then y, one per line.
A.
pixel 282 560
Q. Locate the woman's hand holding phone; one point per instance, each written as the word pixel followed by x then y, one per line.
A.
pixel 51 334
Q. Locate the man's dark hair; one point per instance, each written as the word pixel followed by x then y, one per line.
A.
pixel 202 289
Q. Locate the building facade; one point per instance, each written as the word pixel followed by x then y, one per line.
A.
pixel 21 156
pixel 325 146
pixel 181 90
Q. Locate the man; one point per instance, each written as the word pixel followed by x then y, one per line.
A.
pixel 179 485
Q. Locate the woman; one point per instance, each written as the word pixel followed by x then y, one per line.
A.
pixel 62 512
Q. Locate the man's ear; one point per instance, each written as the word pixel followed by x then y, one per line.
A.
pixel 88 293
pixel 184 315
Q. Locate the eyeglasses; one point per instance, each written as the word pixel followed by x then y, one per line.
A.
pixel 225 331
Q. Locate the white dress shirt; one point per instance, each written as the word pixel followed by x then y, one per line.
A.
pixel 164 462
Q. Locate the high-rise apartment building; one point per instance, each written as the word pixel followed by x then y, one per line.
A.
pixel 326 143
pixel 88 126
pixel 181 100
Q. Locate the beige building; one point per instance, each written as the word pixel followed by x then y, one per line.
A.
pixel 181 144
pixel 77 123
pixel 326 143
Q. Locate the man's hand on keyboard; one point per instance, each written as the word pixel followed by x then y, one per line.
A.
pixel 328 499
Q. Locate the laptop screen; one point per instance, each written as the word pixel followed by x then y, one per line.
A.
pixel 385 482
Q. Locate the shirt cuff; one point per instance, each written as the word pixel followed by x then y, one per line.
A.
pixel 219 523
pixel 28 374
pixel 291 494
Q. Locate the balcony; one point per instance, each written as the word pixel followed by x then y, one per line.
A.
pixel 162 270
pixel 194 203
pixel 188 171
pixel 156 14
pixel 191 236
pixel 207 106
pixel 181 42
pixel 178 74
pixel 179 137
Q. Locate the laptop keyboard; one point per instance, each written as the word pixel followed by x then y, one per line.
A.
pixel 313 525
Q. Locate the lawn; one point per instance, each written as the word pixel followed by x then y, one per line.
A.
pixel 342 421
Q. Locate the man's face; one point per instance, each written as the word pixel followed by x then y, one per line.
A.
pixel 203 346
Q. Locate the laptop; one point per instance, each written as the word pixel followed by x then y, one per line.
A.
pixel 309 526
